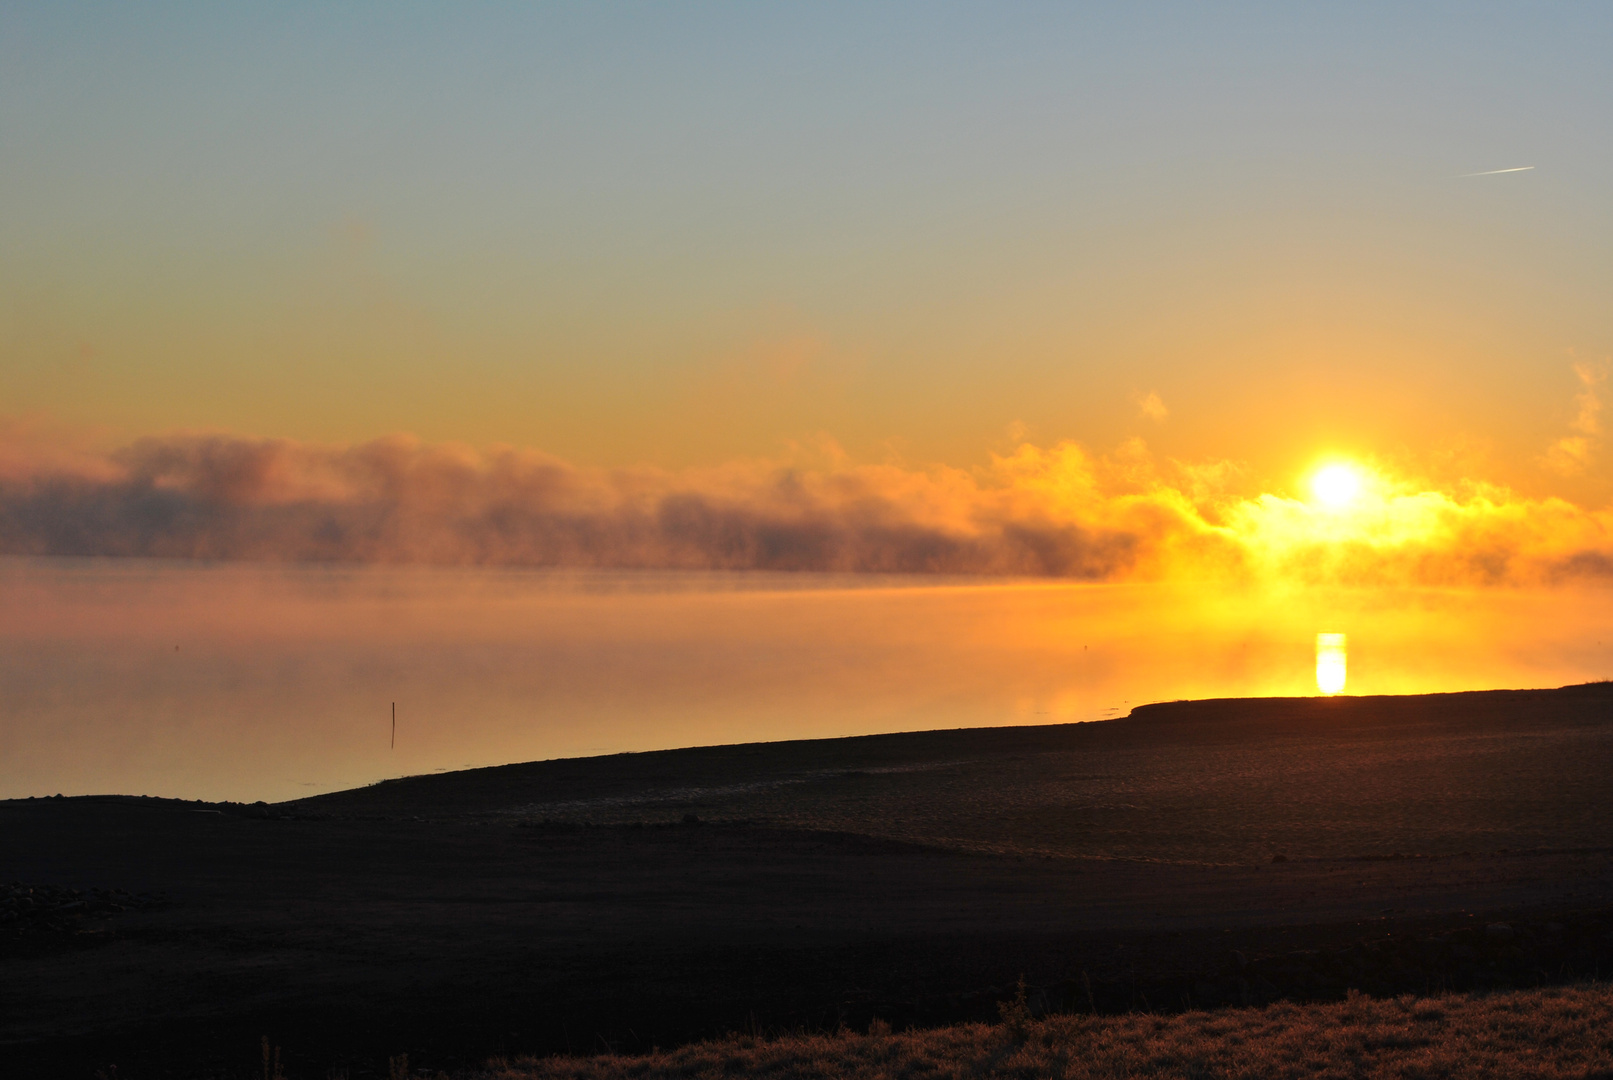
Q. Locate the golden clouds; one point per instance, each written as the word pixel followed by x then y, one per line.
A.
pixel 1057 511
pixel 1482 536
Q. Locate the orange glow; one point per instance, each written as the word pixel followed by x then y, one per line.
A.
pixel 283 680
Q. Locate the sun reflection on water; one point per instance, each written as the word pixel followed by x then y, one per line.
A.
pixel 1330 663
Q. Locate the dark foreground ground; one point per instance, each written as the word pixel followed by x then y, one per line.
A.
pixel 1192 854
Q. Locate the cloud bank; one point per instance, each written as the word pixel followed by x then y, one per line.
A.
pixel 1058 511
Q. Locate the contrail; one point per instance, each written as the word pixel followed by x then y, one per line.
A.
pixel 1493 172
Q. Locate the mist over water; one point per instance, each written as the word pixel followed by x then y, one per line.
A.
pixel 249 681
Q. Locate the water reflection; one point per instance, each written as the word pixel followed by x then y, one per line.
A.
pixel 1330 663
pixel 249 681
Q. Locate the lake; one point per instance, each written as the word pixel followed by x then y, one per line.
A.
pixel 271 681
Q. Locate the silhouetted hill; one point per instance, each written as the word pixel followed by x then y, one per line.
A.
pixel 1233 780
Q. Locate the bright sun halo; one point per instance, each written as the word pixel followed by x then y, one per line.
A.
pixel 1336 485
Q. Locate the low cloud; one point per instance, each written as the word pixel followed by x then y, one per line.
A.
pixel 1153 407
pixel 398 500
pixel 1057 511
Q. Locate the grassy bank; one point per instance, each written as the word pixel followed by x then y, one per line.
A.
pixel 1552 1033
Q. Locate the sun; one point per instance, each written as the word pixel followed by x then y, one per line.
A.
pixel 1336 485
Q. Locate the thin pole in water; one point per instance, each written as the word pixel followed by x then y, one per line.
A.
pixel 394 725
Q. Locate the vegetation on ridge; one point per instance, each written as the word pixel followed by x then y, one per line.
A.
pixel 1550 1034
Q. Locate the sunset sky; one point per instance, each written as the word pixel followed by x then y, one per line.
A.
pixel 972 257
pixel 1085 355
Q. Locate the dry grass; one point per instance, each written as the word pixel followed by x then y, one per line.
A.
pixel 1556 1033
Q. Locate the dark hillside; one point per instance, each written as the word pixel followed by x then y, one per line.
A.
pixel 1196 781
pixel 1455 841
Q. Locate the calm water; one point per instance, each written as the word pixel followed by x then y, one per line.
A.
pixel 270 682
